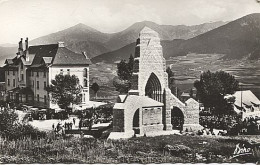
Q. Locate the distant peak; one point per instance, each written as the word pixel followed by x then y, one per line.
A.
pixel 84 27
pixel 81 24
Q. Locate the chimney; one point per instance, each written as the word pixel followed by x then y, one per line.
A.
pixel 61 44
pixel 26 44
pixel 21 44
pixel 85 54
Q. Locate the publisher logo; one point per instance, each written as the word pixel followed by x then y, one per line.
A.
pixel 242 150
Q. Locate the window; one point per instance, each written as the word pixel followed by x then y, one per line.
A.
pixel 32 73
pixel 8 72
pixel 13 73
pixel 21 65
pixel 37 85
pixel 37 74
pixel 21 77
pixel 38 98
pixel 45 99
pixel 13 82
pixel 44 73
pixel 32 83
pixel 8 82
pixel 61 71
pixel 44 85
pixel 68 70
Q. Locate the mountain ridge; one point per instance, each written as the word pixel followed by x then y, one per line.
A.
pixel 236 39
pixel 85 37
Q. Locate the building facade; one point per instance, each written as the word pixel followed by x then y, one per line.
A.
pixel 29 73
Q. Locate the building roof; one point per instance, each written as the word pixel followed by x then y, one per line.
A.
pixel 41 51
pixel 191 101
pixel 40 55
pixel 47 60
pixel 9 61
pixel 185 94
pixel 142 101
pixel 65 56
pixel 248 98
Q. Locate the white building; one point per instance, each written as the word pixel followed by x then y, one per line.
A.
pixel 29 73
pixel 247 104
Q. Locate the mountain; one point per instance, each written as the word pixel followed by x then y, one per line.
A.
pixel 236 39
pixel 84 38
pixel 78 38
pixel 166 32
pixel 7 52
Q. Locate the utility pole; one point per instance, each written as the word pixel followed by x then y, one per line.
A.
pixel 241 96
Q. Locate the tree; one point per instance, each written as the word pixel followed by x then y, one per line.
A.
pixel 124 72
pixel 95 88
pixel 171 81
pixel 8 118
pixel 64 90
pixel 11 128
pixel 211 89
pixel 121 86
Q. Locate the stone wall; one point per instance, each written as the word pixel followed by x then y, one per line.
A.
pixel 118 120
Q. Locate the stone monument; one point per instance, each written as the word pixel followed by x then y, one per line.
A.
pixel 150 106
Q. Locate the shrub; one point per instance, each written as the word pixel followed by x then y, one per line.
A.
pixel 12 129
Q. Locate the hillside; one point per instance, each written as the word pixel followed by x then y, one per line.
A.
pixel 78 38
pixel 166 32
pixel 84 38
pixel 237 39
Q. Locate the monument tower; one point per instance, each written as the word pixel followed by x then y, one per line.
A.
pixel 149 105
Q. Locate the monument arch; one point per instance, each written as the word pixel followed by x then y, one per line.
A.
pixel 177 118
pixel 153 88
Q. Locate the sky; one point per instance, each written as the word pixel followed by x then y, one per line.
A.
pixel 35 18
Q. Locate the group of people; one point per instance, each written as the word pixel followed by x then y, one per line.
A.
pixel 66 126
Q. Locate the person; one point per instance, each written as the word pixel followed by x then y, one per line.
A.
pixel 80 124
pixel 74 120
pixel 70 125
pixel 66 126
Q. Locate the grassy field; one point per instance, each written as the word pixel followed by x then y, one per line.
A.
pixel 195 149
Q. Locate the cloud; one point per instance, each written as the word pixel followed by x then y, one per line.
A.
pixel 35 18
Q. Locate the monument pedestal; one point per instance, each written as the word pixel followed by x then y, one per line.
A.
pixel 121 135
pixel 168 127
pixel 192 127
